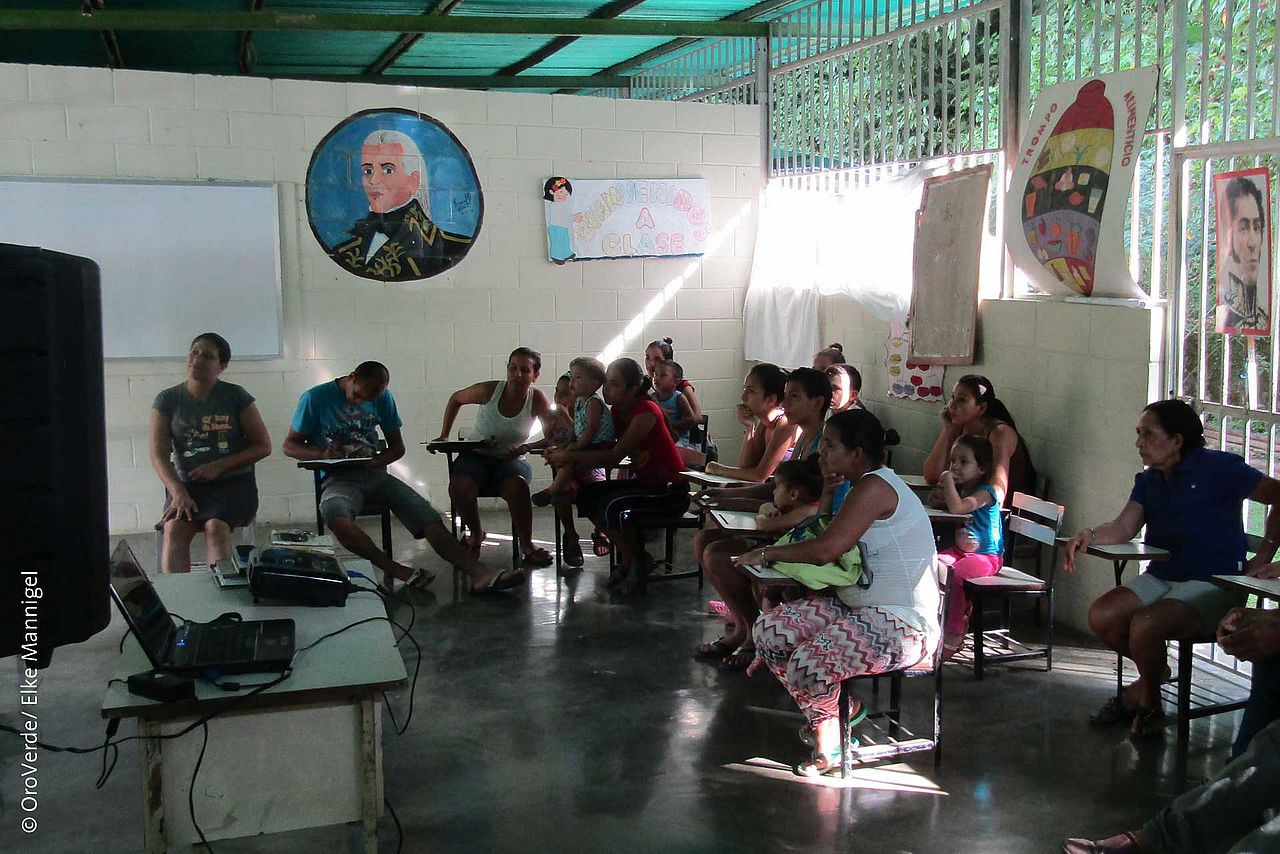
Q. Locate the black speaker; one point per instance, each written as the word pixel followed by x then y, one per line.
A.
pixel 53 454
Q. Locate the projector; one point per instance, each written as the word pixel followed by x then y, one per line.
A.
pixel 297 578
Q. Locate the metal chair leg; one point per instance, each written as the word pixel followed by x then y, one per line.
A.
pixel 978 630
pixel 1184 696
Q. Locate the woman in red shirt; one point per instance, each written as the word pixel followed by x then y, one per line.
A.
pixel 655 490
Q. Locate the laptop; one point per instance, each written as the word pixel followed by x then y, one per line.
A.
pixel 251 646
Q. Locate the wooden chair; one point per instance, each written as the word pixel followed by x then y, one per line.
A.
pixel 893 746
pixel 1039 521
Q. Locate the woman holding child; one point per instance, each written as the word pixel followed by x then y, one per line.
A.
pixel 806 399
pixel 655 489
pixel 975 410
pixel 1189 498
pixel 508 410
pixel 888 620
pixel 662 351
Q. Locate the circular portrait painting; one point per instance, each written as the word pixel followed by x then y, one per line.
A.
pixel 393 196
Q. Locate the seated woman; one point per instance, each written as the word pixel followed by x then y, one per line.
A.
pixel 832 354
pixel 805 401
pixel 655 490
pixel 206 435
pixel 768 435
pixel 1203 531
pixel 813 644
pixel 846 387
pixel 661 351
pixel 975 410
pixel 508 410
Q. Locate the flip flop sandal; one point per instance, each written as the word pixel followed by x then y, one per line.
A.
pixel 537 558
pixel 1147 723
pixel 741 658
pixel 818 765
pixel 716 649
pixel 419 579
pixel 806 732
pixel 571 549
pixel 505 579
pixel 1125 842
pixel 600 544
pixel 1112 711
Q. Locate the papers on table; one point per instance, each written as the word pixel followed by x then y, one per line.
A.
pixel 713 480
pixel 334 464
pixel 735 520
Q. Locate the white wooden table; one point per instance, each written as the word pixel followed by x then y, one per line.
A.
pixel 305 753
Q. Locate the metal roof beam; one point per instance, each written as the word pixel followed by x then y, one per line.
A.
pixel 662 50
pixel 216 20
pixel 246 40
pixel 470 81
pixel 408 40
pixel 611 10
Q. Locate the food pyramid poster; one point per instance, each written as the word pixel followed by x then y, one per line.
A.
pixel 1071 183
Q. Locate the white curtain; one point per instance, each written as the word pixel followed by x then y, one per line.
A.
pixel 813 243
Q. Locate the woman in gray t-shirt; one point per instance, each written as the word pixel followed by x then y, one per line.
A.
pixel 206 436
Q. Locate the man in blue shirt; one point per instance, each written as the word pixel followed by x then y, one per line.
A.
pixel 1190 500
pixel 340 419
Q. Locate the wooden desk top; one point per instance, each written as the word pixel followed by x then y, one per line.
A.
pixel 1132 550
pixel 454 446
pixel 736 520
pixel 915 481
pixel 713 480
pixel 1266 587
pixel 942 517
pixel 357 662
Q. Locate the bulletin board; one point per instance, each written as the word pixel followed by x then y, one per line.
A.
pixel 945 269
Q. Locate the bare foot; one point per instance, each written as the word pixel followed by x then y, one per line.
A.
pixel 475 540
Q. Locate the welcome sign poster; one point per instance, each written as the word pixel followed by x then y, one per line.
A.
pixel 590 219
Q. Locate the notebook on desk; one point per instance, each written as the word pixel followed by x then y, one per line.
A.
pixel 249 646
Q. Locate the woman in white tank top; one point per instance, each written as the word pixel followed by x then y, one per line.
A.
pixel 508 411
pixel 814 644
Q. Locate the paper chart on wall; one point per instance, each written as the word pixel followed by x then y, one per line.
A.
pixel 908 378
pixel 625 218
pixel 1070 186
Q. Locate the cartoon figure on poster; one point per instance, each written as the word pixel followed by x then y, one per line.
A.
pixel 908 378
pixel 1243 203
pixel 556 193
pixel 393 196
pixel 1071 181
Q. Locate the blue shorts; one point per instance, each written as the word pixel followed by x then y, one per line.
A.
pixel 488 472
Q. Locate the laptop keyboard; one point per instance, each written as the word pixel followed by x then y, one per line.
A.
pixel 219 643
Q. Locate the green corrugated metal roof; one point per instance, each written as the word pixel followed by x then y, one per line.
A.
pixel 347 53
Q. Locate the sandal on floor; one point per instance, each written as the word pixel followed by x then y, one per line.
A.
pixel 717 608
pixel 538 557
pixel 806 736
pixel 542 498
pixel 635 580
pixel 1121 844
pixel 572 551
pixel 741 659
pixel 818 764
pixel 419 579
pixel 1111 712
pixel 1147 723
pixel 505 579
pixel 718 648
pixel 600 544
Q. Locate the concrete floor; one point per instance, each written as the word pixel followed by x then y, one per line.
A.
pixel 563 718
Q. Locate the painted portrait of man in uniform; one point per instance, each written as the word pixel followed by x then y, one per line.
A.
pixel 1243 202
pixel 393 196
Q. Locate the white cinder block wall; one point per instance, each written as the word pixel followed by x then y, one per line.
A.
pixel 437 335
pixel 1075 377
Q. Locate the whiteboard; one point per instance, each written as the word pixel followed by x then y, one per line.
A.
pixel 944 290
pixel 176 259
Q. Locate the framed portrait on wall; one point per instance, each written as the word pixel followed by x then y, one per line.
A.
pixel 1242 201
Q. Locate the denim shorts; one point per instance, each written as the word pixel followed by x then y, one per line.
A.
pixel 345 494
pixel 488 472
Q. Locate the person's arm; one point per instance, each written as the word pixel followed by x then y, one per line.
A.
pixel 479 394
pixel 694 406
pixel 781 438
pixel 753 437
pixel 1260 565
pixel 956 504
pixel 298 447
pixel 870 499
pixel 1250 633
pixel 686 421
pixel 180 502
pixel 258 447
pixel 1004 442
pixel 1121 529
pixel 936 463
pixel 785 521
pixel 541 409
pixel 393 451
pixel 629 441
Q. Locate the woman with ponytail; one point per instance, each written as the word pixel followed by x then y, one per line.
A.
pixel 976 411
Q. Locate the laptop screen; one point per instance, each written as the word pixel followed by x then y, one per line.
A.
pixel 140 604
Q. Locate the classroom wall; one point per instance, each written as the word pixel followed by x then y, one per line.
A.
pixel 438 335
pixel 1074 376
